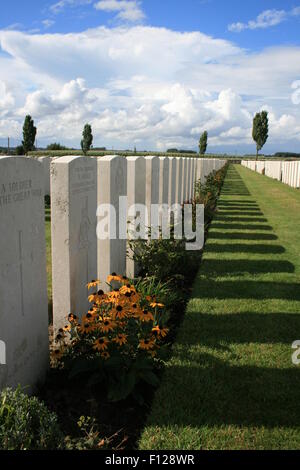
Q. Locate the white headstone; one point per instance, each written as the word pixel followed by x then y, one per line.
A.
pixel 23 279
pixel 112 184
pixel 136 194
pixel 46 169
pixel 172 180
pixel 73 228
pixel 164 180
pixel 152 184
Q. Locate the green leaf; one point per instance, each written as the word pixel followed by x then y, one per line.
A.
pixel 82 365
pixel 150 378
pixel 122 389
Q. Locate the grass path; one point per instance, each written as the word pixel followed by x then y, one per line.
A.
pixel 230 383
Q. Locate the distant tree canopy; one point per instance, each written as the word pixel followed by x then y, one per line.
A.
pixel 56 146
pixel 29 134
pixel 180 151
pixel 260 131
pixel 87 140
pixel 203 143
pixel 19 150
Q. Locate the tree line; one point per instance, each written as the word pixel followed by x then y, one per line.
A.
pixel 260 134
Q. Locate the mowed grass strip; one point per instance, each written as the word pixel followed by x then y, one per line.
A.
pixel 230 382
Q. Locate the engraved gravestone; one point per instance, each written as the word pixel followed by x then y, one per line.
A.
pixel 136 194
pixel 74 242
pixel 23 281
pixel 112 184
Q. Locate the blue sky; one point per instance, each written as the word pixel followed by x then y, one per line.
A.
pixel 151 74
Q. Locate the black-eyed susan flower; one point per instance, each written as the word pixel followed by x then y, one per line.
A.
pixel 114 277
pixel 88 318
pixel 121 339
pixel 67 328
pixel 60 337
pixel 160 332
pixel 144 315
pixel 107 325
pixel 86 327
pixel 105 355
pixel 72 318
pixel 101 344
pixel 156 304
pixel 119 312
pixel 146 344
pixel 58 353
pixel 93 284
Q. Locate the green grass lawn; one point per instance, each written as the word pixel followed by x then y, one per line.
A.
pixel 230 383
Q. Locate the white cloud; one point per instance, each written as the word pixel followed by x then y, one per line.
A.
pixel 128 10
pixel 152 87
pixel 48 23
pixel 264 20
pixel 62 4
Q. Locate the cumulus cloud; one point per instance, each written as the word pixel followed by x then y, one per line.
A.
pixel 128 10
pixel 264 20
pixel 152 87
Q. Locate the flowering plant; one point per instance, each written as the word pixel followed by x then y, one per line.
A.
pixel 118 341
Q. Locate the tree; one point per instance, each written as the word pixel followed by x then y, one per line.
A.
pixel 203 143
pixel 260 132
pixel 87 138
pixel 56 146
pixel 19 150
pixel 29 134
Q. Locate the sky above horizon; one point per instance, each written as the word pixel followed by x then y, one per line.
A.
pixel 151 74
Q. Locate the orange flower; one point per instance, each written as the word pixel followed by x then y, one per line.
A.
pixel 144 315
pixel 93 284
pixel 86 327
pixel 105 355
pixel 120 339
pixel 87 318
pixel 58 353
pixel 146 344
pixel 107 325
pixel 119 312
pixel 101 344
pixel 161 332
pixel 155 304
pixel 72 318
pixel 114 277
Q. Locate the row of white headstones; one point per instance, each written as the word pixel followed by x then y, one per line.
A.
pixel 287 172
pixel 77 185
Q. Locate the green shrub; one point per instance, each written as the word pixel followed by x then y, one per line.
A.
pixel 167 260
pixel 19 150
pixel 26 423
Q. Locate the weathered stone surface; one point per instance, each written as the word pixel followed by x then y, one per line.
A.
pixel 164 180
pixel 172 180
pixel 112 184
pixel 23 281
pixel 74 242
pixel 136 194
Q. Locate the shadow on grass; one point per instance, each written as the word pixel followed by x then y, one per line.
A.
pixel 229 395
pixel 241 236
pixel 244 248
pixel 233 267
pixel 231 226
pixel 257 290
pixel 245 328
